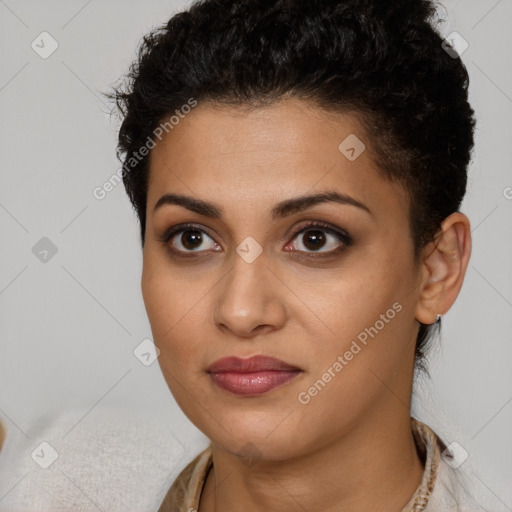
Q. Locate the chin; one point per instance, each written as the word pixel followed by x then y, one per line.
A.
pixel 258 448
pixel 257 436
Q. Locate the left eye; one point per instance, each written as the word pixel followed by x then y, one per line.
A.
pixel 315 237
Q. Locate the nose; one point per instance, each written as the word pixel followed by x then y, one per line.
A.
pixel 250 299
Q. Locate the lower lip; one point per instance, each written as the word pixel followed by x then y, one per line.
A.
pixel 252 383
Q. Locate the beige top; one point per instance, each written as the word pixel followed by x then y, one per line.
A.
pixel 185 492
pixel 2 434
pixel 442 487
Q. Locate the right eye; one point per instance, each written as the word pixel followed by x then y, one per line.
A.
pixel 188 239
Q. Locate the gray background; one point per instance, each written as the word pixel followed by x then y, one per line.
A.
pixel 68 327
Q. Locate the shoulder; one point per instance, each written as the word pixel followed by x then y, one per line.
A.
pixel 451 492
pixel 185 491
pixel 448 490
pixel 122 459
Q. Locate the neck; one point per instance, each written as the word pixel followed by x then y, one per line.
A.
pixel 375 466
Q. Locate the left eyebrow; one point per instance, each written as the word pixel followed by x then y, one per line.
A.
pixel 301 203
pixel 281 210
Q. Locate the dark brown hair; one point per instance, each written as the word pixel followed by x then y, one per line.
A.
pixel 383 60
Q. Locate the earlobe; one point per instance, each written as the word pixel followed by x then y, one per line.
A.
pixel 443 268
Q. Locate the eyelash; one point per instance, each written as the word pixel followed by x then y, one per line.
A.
pixel 341 235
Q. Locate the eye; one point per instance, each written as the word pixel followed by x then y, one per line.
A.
pixel 319 235
pixel 188 239
pixel 191 239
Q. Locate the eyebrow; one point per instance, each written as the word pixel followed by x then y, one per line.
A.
pixel 281 210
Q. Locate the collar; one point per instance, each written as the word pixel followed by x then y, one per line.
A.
pixel 185 492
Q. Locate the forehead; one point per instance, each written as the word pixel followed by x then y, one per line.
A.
pixel 291 128
pixel 266 154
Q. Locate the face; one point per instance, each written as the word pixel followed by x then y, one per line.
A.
pixel 327 286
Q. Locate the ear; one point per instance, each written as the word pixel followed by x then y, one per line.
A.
pixel 443 267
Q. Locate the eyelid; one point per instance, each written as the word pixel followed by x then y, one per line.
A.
pixel 168 233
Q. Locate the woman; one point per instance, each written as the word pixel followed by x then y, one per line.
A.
pixel 297 170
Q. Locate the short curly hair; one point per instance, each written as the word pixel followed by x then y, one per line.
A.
pixel 385 61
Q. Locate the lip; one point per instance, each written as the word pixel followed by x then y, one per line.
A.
pixel 250 365
pixel 253 376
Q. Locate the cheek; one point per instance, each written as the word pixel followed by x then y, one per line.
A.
pixel 168 297
pixel 363 318
pixel 175 332
pixel 175 307
pixel 342 305
pixel 353 370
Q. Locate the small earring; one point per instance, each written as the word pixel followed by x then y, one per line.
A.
pixel 438 319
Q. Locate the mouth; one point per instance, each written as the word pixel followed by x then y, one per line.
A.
pixel 254 376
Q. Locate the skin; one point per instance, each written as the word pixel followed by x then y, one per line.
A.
pixel 350 448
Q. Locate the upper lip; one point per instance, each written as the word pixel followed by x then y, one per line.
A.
pixel 250 365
